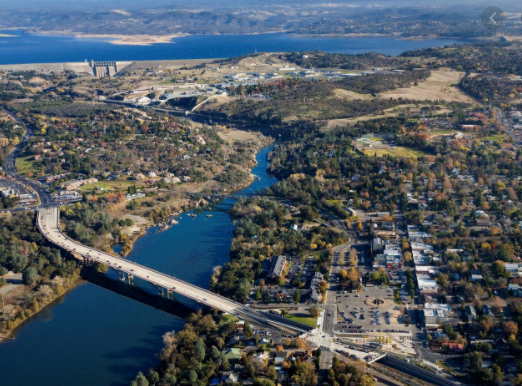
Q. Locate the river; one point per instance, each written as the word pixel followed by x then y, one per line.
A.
pixel 32 48
pixel 93 336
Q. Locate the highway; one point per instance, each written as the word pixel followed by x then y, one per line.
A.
pixel 48 224
pixel 10 166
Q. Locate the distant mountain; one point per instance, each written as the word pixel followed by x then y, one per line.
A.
pixel 407 18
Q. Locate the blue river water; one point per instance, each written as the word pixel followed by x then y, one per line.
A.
pixel 96 337
pixel 34 48
pixel 93 336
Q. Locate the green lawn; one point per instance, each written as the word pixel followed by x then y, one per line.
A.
pixel 495 138
pixel 309 321
pixel 109 185
pixel 25 164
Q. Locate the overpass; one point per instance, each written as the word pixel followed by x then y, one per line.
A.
pixel 48 224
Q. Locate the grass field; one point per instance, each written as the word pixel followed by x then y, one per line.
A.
pixel 391 112
pixel 350 95
pixel 109 185
pixel 25 164
pixel 397 151
pixel 309 321
pixel 495 138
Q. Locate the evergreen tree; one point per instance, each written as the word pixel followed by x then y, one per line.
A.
pixel 200 349
pixel 297 296
pixel 247 330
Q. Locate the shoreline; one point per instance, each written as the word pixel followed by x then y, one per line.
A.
pixel 151 39
pixel 28 319
pixel 135 40
pixel 132 40
pixel 145 228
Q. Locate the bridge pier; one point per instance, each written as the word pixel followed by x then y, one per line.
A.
pixel 126 278
pixel 163 292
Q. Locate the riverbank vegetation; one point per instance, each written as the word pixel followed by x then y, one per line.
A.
pixel 212 348
pixel 262 231
pixel 34 269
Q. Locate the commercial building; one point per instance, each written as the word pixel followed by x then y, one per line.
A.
pixel 277 267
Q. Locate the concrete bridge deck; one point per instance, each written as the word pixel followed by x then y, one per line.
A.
pixel 48 224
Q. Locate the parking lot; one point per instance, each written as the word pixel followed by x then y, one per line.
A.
pixel 369 311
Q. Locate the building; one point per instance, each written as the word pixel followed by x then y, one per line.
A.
pixel 435 314
pixel 487 310
pixel 277 267
pixel 427 285
pixel 514 268
pixel 454 347
pixel 233 354
pixel 315 288
pixel 476 277
pixel 470 312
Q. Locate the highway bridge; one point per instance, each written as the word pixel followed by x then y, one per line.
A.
pixel 48 224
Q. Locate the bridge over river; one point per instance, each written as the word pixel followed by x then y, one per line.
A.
pixel 48 223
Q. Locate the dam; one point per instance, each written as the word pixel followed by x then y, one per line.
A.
pixel 87 68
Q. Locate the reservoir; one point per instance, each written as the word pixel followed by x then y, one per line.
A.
pixel 29 48
pixel 96 337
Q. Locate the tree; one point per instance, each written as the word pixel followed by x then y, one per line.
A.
pixel 140 380
pixel 297 296
pixel 153 377
pixel 200 349
pixel 510 328
pixel 314 311
pixel 247 330
pixel 498 269
pixel 9 312
pixel 191 376
pixel 258 294
pixel 29 276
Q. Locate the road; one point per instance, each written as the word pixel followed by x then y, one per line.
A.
pixel 45 197
pixel 507 127
pixel 330 306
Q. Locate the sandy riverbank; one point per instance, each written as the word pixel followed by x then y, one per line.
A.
pixel 119 39
pixel 133 40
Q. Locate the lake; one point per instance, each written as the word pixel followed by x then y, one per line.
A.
pixel 33 48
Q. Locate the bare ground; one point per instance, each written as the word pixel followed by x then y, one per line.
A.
pixel 440 86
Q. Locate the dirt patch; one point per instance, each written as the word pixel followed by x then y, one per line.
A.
pixel 439 86
pixel 351 95
pixel 232 135
pixel 139 222
pixel 391 112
